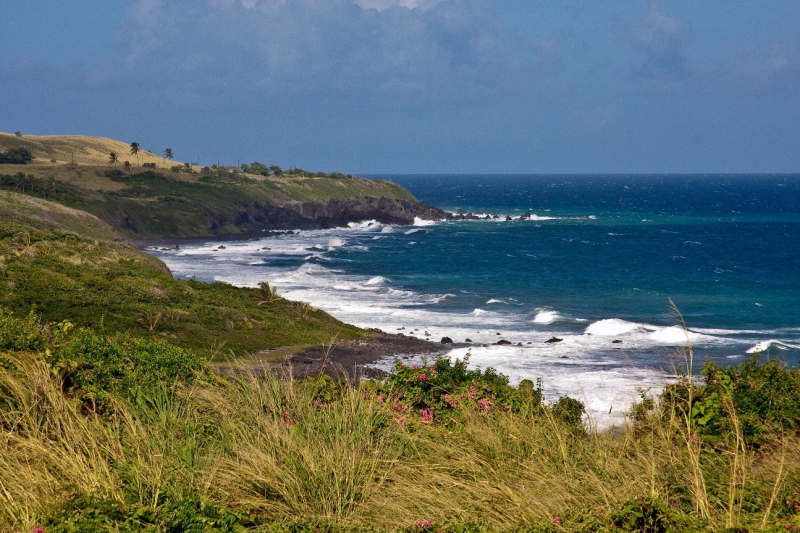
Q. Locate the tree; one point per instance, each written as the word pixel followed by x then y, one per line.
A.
pixel 50 184
pixel 168 154
pixel 23 181
pixel 113 157
pixel 16 156
pixel 188 167
pixel 127 166
pixel 275 169
pixel 135 151
pixel 18 133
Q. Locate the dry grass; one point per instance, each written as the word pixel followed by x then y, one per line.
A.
pixel 269 444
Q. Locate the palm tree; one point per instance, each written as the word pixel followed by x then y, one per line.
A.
pixel 135 151
pixel 113 157
pixel 168 154
pixel 127 166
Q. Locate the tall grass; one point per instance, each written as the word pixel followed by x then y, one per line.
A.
pixel 318 450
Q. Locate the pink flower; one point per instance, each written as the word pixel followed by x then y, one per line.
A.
pixel 485 404
pixel 426 524
pixel 471 392
pixel 287 419
pixel 752 385
pixel 423 377
pixel 427 415
pixel 415 367
pixel 381 398
pixel 401 420
pixel 38 530
pixel 449 400
pixel 555 520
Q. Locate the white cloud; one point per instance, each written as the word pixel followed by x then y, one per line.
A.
pixel 659 42
pixel 381 5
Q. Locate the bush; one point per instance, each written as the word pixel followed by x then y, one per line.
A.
pixel 446 392
pixel 762 397
pixel 93 365
pixel 16 156
pixel 187 514
pixel 20 335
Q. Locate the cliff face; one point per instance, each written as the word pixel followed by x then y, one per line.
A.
pixel 331 214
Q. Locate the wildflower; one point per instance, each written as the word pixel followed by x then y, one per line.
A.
pixel 425 524
pixel 752 385
pixel 381 398
pixel 694 437
pixel 320 405
pixel 398 407
pixel 287 419
pixel 556 520
pixel 402 420
pixel 38 530
pixel 427 414
pixel 423 377
pixel 415 367
pixel 471 392
pixel 485 404
pixel 452 402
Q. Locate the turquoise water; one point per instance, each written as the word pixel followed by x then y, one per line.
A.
pixel 599 262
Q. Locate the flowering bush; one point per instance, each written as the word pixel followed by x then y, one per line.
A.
pixel 446 391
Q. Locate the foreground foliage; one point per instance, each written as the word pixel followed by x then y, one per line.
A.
pixel 110 433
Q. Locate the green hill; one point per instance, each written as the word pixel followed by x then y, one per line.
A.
pixel 189 202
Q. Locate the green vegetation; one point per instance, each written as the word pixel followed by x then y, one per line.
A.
pixel 50 216
pixel 111 287
pixel 109 433
pixel 16 156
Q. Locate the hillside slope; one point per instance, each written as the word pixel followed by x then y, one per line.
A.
pixel 147 203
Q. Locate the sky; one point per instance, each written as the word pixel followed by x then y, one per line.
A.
pixel 416 86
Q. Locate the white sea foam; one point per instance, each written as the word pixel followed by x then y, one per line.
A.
pixel 422 222
pixel 611 326
pixel 545 316
pixel 763 346
pixel 495 301
pixel 409 232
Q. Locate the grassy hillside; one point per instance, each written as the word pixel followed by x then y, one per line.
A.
pixel 142 203
pixel 114 288
pixel 77 149
pixel 49 216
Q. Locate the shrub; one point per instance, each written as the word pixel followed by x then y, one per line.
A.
pixel 446 391
pixel 20 334
pixel 762 397
pixel 16 156
pixel 186 514
pixel 93 365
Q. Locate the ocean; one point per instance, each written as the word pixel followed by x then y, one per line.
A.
pixel 596 264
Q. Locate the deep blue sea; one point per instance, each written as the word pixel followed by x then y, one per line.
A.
pixel 596 266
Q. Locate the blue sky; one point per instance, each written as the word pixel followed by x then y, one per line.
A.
pixel 416 86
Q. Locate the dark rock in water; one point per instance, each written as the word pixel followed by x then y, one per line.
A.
pixel 529 342
pixel 401 329
pixel 374 330
pixel 485 345
pixel 616 341
pixel 508 218
pixel 468 340
pixel 400 335
pixel 221 246
pixel 553 340
pixel 564 357
pixel 519 344
pixel 498 334
pixel 447 340
pixel 502 342
pixel 525 216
